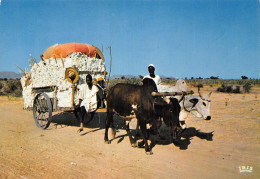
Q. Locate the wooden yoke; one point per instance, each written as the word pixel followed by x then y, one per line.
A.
pixel 171 93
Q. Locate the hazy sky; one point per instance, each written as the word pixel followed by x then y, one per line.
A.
pixel 182 38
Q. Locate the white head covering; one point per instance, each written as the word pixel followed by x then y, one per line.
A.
pixel 151 65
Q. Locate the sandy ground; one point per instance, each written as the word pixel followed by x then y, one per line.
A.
pixel 60 152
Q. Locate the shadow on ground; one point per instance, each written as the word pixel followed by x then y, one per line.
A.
pixel 188 134
pixel 164 137
pixel 64 119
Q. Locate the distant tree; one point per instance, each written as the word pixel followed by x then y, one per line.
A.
pixel 214 77
pixel 141 76
pixel 200 85
pixel 192 78
pixel 122 77
pixel 244 77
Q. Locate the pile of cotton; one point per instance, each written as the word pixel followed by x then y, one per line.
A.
pixel 51 73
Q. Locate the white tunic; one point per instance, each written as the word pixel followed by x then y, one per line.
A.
pixel 156 79
pixel 89 97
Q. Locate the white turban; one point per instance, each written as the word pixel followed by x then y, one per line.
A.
pixel 151 65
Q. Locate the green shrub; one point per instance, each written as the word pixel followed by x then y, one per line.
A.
pixel 237 90
pixel 247 87
pixel 11 88
pixel 228 89
pixel 17 93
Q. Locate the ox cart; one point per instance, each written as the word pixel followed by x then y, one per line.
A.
pixel 53 84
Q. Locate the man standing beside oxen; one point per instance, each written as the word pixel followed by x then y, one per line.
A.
pixel 156 78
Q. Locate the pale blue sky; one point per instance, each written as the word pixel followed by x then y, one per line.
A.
pixel 181 38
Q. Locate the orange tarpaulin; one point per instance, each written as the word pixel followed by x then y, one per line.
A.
pixel 63 50
pixel 47 53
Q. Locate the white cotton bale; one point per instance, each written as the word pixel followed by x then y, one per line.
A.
pixel 28 96
pixel 51 72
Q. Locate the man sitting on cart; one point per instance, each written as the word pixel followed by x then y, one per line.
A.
pixel 87 100
pixel 101 93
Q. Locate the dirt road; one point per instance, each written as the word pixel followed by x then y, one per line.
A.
pixel 60 152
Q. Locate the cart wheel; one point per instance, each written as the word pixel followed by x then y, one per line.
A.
pixel 42 111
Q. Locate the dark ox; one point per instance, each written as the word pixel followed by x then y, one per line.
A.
pixel 136 100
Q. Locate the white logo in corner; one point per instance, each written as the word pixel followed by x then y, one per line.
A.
pixel 245 169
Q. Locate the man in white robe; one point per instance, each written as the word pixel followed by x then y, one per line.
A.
pixel 156 78
pixel 88 99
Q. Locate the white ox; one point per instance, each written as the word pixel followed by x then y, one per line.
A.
pixel 198 105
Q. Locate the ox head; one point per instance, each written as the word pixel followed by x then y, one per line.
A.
pixel 149 85
pixel 169 110
pixel 198 105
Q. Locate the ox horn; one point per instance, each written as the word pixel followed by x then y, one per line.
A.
pixel 171 93
pixel 202 96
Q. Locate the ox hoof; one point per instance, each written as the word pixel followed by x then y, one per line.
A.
pixel 107 142
pixel 134 145
pixel 149 153
pixel 80 130
pixel 140 144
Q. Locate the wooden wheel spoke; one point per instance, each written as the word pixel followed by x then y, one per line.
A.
pixel 38 106
pixel 42 111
